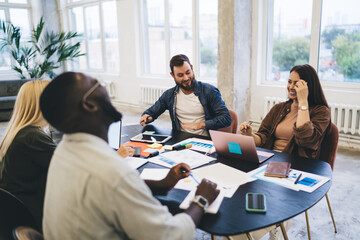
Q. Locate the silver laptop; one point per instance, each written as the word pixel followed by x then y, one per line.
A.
pixel 237 146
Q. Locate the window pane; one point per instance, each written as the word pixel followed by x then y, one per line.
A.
pixel 4 54
pixel 154 37
pixel 18 1
pixel 111 36
pixel 288 37
pixel 77 25
pixel 208 36
pixel 20 18
pixel 93 37
pixel 180 14
pixel 339 58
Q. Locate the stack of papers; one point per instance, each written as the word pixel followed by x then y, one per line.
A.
pixel 191 158
pixel 308 182
pixel 199 144
pixel 227 178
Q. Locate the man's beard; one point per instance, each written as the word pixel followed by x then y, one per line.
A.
pixel 109 110
pixel 188 87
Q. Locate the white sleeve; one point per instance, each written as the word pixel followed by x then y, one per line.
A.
pixel 141 216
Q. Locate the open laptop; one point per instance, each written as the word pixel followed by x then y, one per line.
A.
pixel 114 135
pixel 237 146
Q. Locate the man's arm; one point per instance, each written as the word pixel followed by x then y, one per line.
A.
pixel 221 113
pixel 206 189
pixel 157 109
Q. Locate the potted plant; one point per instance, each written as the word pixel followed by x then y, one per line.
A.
pixel 45 52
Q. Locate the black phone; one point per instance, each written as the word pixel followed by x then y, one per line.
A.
pixel 255 202
pixel 137 151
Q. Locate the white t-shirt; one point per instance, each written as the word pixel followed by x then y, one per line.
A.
pixel 92 193
pixel 189 110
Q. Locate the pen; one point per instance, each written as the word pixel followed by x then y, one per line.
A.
pixel 298 178
pixel 194 178
pixel 250 122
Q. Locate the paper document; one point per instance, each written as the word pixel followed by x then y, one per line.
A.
pixel 227 178
pixel 191 158
pixel 199 144
pixel 188 183
pixel 135 162
pixel 308 182
pixel 212 208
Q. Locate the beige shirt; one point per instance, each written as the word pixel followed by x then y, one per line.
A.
pixel 92 193
pixel 189 110
pixel 284 130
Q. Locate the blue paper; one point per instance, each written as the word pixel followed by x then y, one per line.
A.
pixel 234 148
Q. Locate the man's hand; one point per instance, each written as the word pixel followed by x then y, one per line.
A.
pixel 208 190
pixel 176 173
pixel 145 119
pixel 126 151
pixel 193 126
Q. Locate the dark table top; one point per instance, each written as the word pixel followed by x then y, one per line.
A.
pixel 232 218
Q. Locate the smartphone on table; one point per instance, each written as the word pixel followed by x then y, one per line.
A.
pixel 255 202
pixel 137 151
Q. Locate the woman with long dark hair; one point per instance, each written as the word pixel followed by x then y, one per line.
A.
pixel 298 125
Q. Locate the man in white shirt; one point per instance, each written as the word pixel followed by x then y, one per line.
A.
pixel 91 193
pixel 194 106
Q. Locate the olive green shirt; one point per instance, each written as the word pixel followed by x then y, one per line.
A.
pixel 25 167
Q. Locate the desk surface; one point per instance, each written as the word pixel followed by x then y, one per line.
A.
pixel 232 218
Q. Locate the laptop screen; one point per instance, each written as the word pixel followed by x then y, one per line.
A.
pixel 114 135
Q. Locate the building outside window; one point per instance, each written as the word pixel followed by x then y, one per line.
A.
pixel 170 27
pixel 294 37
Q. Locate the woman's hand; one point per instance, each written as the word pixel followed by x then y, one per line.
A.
pixel 126 151
pixel 245 129
pixel 302 92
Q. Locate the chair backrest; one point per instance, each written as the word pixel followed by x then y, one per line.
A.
pixel 27 233
pixel 234 123
pixel 329 145
pixel 13 213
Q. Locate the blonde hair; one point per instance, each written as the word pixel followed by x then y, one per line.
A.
pixel 26 112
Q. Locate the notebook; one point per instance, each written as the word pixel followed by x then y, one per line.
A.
pixel 277 169
pixel 237 146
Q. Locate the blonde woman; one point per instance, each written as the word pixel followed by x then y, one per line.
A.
pixel 26 150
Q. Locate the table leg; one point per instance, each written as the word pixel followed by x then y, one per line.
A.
pixel 249 236
pixel 332 216
pixel 284 231
pixel 307 225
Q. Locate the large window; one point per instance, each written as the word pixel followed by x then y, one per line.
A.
pixel 170 27
pixel 18 13
pixel 339 57
pixel 325 34
pixel 96 21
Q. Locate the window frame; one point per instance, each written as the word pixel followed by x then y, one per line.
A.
pixel 69 5
pixel 6 6
pixel 143 42
pixel 264 7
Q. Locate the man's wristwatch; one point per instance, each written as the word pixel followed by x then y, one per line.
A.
pixel 201 201
pixel 303 108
